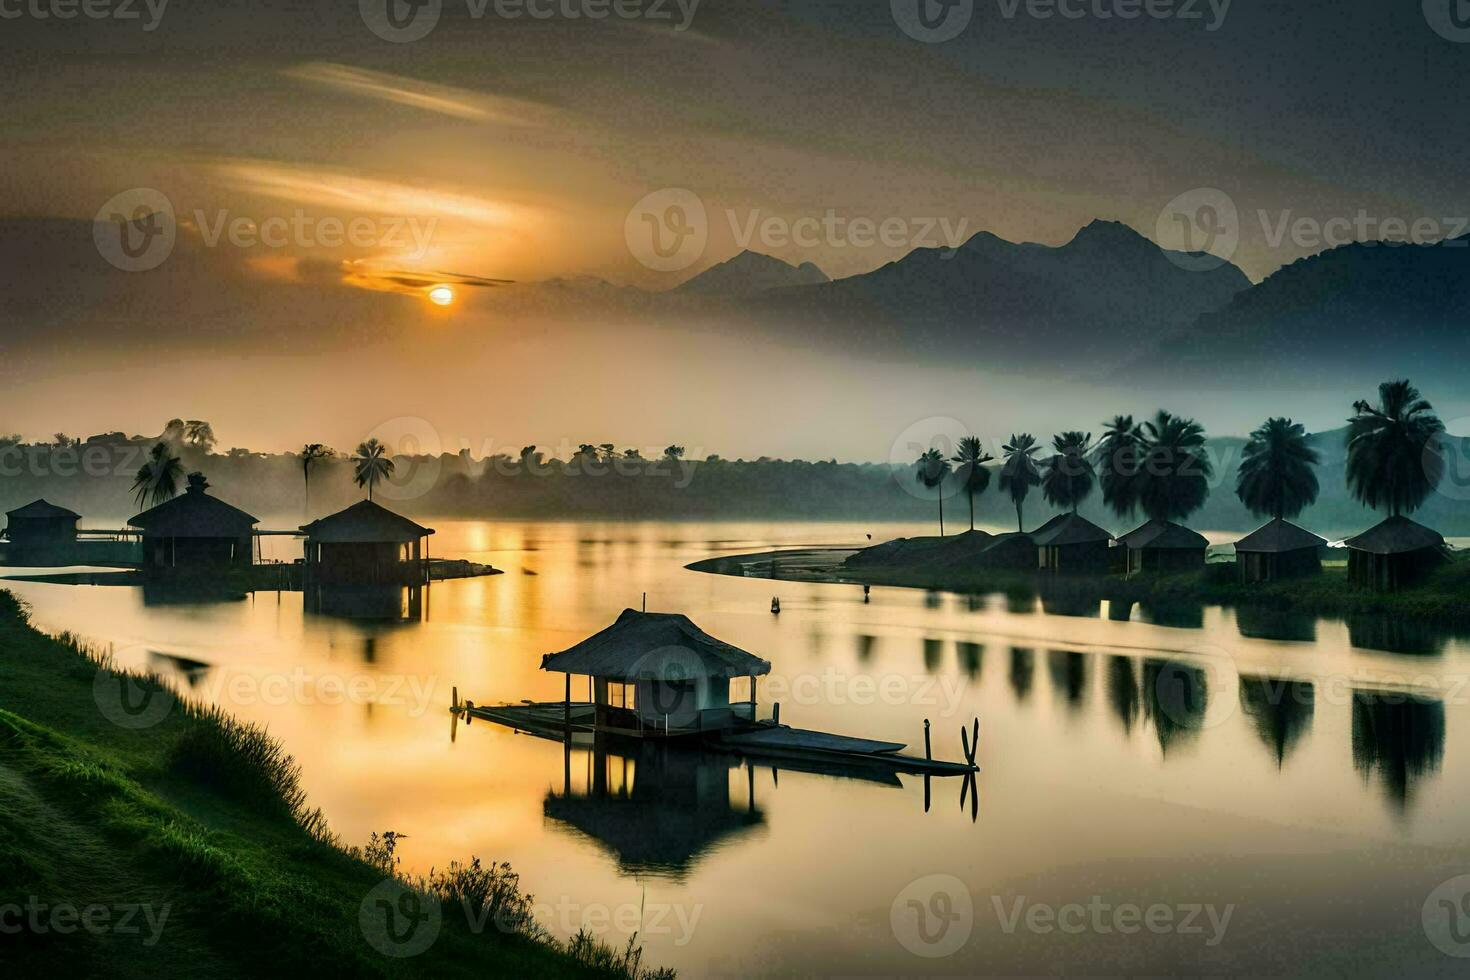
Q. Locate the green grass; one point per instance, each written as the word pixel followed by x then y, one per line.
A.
pixel 203 818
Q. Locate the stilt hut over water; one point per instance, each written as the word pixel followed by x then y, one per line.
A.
pixel 657 675
pixel 195 530
pixel 367 544
pixel 40 524
pixel 1163 546
pixel 1393 554
pixel 1278 550
pixel 1072 544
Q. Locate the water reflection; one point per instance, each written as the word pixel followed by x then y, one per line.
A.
pixel 368 603
pixel 1280 711
pixel 1175 613
pixel 1123 691
pixel 972 656
pixel 933 652
pixel 1397 738
pixel 1175 697
pixel 655 808
pixel 1285 625
pixel 1023 666
pixel 1396 634
pixel 1068 670
pixel 1064 602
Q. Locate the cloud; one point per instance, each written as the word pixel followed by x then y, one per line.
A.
pixel 442 99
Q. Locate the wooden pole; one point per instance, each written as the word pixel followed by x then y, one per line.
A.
pixel 927 753
pixel 567 708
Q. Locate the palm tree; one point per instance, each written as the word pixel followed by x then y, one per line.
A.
pixel 1019 473
pixel 157 479
pixel 1276 475
pixel 1069 475
pixel 930 469
pixel 1174 478
pixel 372 464
pixel 310 454
pixel 1120 451
pixel 1393 457
pixel 972 458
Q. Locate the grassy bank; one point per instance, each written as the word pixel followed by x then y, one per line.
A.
pixel 1443 598
pixel 186 848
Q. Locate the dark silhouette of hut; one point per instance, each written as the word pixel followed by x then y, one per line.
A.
pixel 1393 554
pixel 195 530
pixel 366 544
pixel 1072 544
pixel 40 524
pixel 1277 550
pixel 658 675
pixel 1163 546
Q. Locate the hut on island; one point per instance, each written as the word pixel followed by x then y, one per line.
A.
pixel 40 524
pixel 1278 550
pixel 367 544
pixel 1163 546
pixel 657 675
pixel 1071 544
pixel 1394 554
pixel 195 530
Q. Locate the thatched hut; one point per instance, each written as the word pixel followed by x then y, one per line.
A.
pixel 1396 553
pixel 41 524
pixel 1276 550
pixel 658 675
pixel 195 530
pixel 1071 544
pixel 366 544
pixel 1163 546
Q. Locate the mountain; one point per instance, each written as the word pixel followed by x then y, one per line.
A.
pixel 1363 311
pixel 750 273
pixel 1078 307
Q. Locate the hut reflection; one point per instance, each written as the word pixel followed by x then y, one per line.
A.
pixel 1398 738
pixel 1175 698
pixel 1395 634
pixel 1068 670
pixel 972 657
pixel 1176 613
pixel 384 602
pixel 1123 693
pixel 1023 667
pixel 1120 610
pixel 933 654
pixel 1287 625
pixel 1280 711
pixel 1064 602
pixel 657 809
pixel 866 643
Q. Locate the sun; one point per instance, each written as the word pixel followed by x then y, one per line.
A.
pixel 441 295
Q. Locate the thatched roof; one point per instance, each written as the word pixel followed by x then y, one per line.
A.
pixel 365 523
pixel 41 510
pixel 1396 536
pixel 1163 536
pixel 654 646
pixel 195 514
pixel 1068 529
pixel 1278 536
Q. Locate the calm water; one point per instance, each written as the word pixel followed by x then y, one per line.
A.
pixel 1130 758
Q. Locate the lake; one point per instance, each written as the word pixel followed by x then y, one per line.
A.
pixel 1162 790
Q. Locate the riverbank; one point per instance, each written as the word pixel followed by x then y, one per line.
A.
pixel 1443 598
pixel 141 836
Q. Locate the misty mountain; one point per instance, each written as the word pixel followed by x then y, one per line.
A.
pixel 750 273
pixel 1076 307
pixel 1361 313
